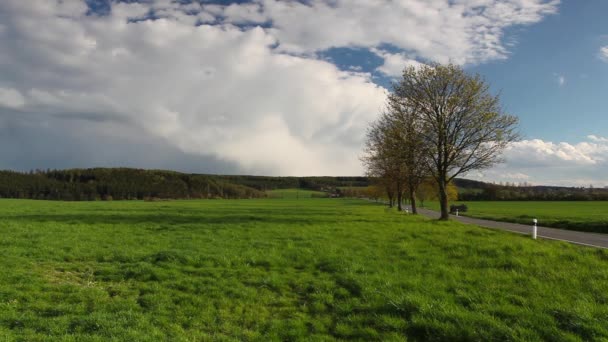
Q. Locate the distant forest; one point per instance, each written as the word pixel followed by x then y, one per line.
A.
pixel 132 184
pixel 469 190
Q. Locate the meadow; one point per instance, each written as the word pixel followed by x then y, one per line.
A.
pixel 295 193
pixel 587 216
pixel 285 269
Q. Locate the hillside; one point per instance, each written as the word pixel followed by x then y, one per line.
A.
pixel 128 183
pixel 118 184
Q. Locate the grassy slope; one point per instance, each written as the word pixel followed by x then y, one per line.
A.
pixel 285 269
pixel 591 216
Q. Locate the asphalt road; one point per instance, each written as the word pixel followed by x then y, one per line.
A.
pixel 581 238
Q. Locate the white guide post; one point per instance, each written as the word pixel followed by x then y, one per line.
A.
pixel 534 228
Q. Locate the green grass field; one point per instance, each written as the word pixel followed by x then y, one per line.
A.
pixel 293 269
pixel 295 193
pixel 590 216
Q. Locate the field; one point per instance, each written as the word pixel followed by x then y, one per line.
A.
pixel 292 269
pixel 295 193
pixel 590 216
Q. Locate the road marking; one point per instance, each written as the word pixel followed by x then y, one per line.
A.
pixel 524 233
pixel 575 242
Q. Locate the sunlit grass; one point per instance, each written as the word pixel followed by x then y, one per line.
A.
pixel 591 216
pixel 295 269
pixel 295 193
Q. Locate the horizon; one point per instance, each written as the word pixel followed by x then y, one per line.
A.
pixel 276 88
pixel 499 183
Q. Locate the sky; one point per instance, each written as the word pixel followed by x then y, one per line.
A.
pixel 288 88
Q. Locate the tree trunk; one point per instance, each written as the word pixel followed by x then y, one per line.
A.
pixel 399 200
pixel 413 202
pixel 443 199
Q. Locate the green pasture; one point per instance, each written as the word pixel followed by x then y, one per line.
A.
pixel 295 193
pixel 590 216
pixel 285 270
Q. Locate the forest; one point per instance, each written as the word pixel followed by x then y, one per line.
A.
pixel 138 184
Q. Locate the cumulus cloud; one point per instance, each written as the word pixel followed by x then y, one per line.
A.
pixel 208 90
pixel 546 162
pixel 597 139
pixel 604 53
pixel 394 63
pixel 238 85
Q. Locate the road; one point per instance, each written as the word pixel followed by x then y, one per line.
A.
pixel 581 238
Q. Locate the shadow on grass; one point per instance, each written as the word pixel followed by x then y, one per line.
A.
pixel 160 219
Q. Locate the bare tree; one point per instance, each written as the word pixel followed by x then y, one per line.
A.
pixel 462 125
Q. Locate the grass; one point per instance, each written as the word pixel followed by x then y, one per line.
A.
pixel 293 269
pixel 295 193
pixel 589 216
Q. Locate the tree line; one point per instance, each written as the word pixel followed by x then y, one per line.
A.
pixel 118 184
pixel 129 184
pixel 438 123
pixel 469 190
pixel 138 184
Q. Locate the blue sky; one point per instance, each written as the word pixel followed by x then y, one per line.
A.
pixel 283 87
pixel 563 45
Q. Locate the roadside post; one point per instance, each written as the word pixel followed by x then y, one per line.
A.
pixel 534 228
pixel 457 212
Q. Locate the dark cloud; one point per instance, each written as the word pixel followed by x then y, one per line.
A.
pixel 29 142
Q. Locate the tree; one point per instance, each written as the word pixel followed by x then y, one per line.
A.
pixel 428 191
pixel 380 159
pixel 462 124
pixel 406 144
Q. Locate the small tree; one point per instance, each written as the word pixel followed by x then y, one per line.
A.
pixel 462 124
pixel 381 161
pixel 406 144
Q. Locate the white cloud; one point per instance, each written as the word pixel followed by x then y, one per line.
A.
pixel 11 98
pixel 544 162
pixel 516 175
pixel 561 80
pixel 205 81
pixel 208 90
pixel 463 31
pixel 604 53
pixel 537 152
pixel 597 139
pixel 394 63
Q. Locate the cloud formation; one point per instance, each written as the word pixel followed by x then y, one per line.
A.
pixel 209 90
pixel 604 53
pixel 463 31
pixel 238 88
pixel 394 63
pixel 545 162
